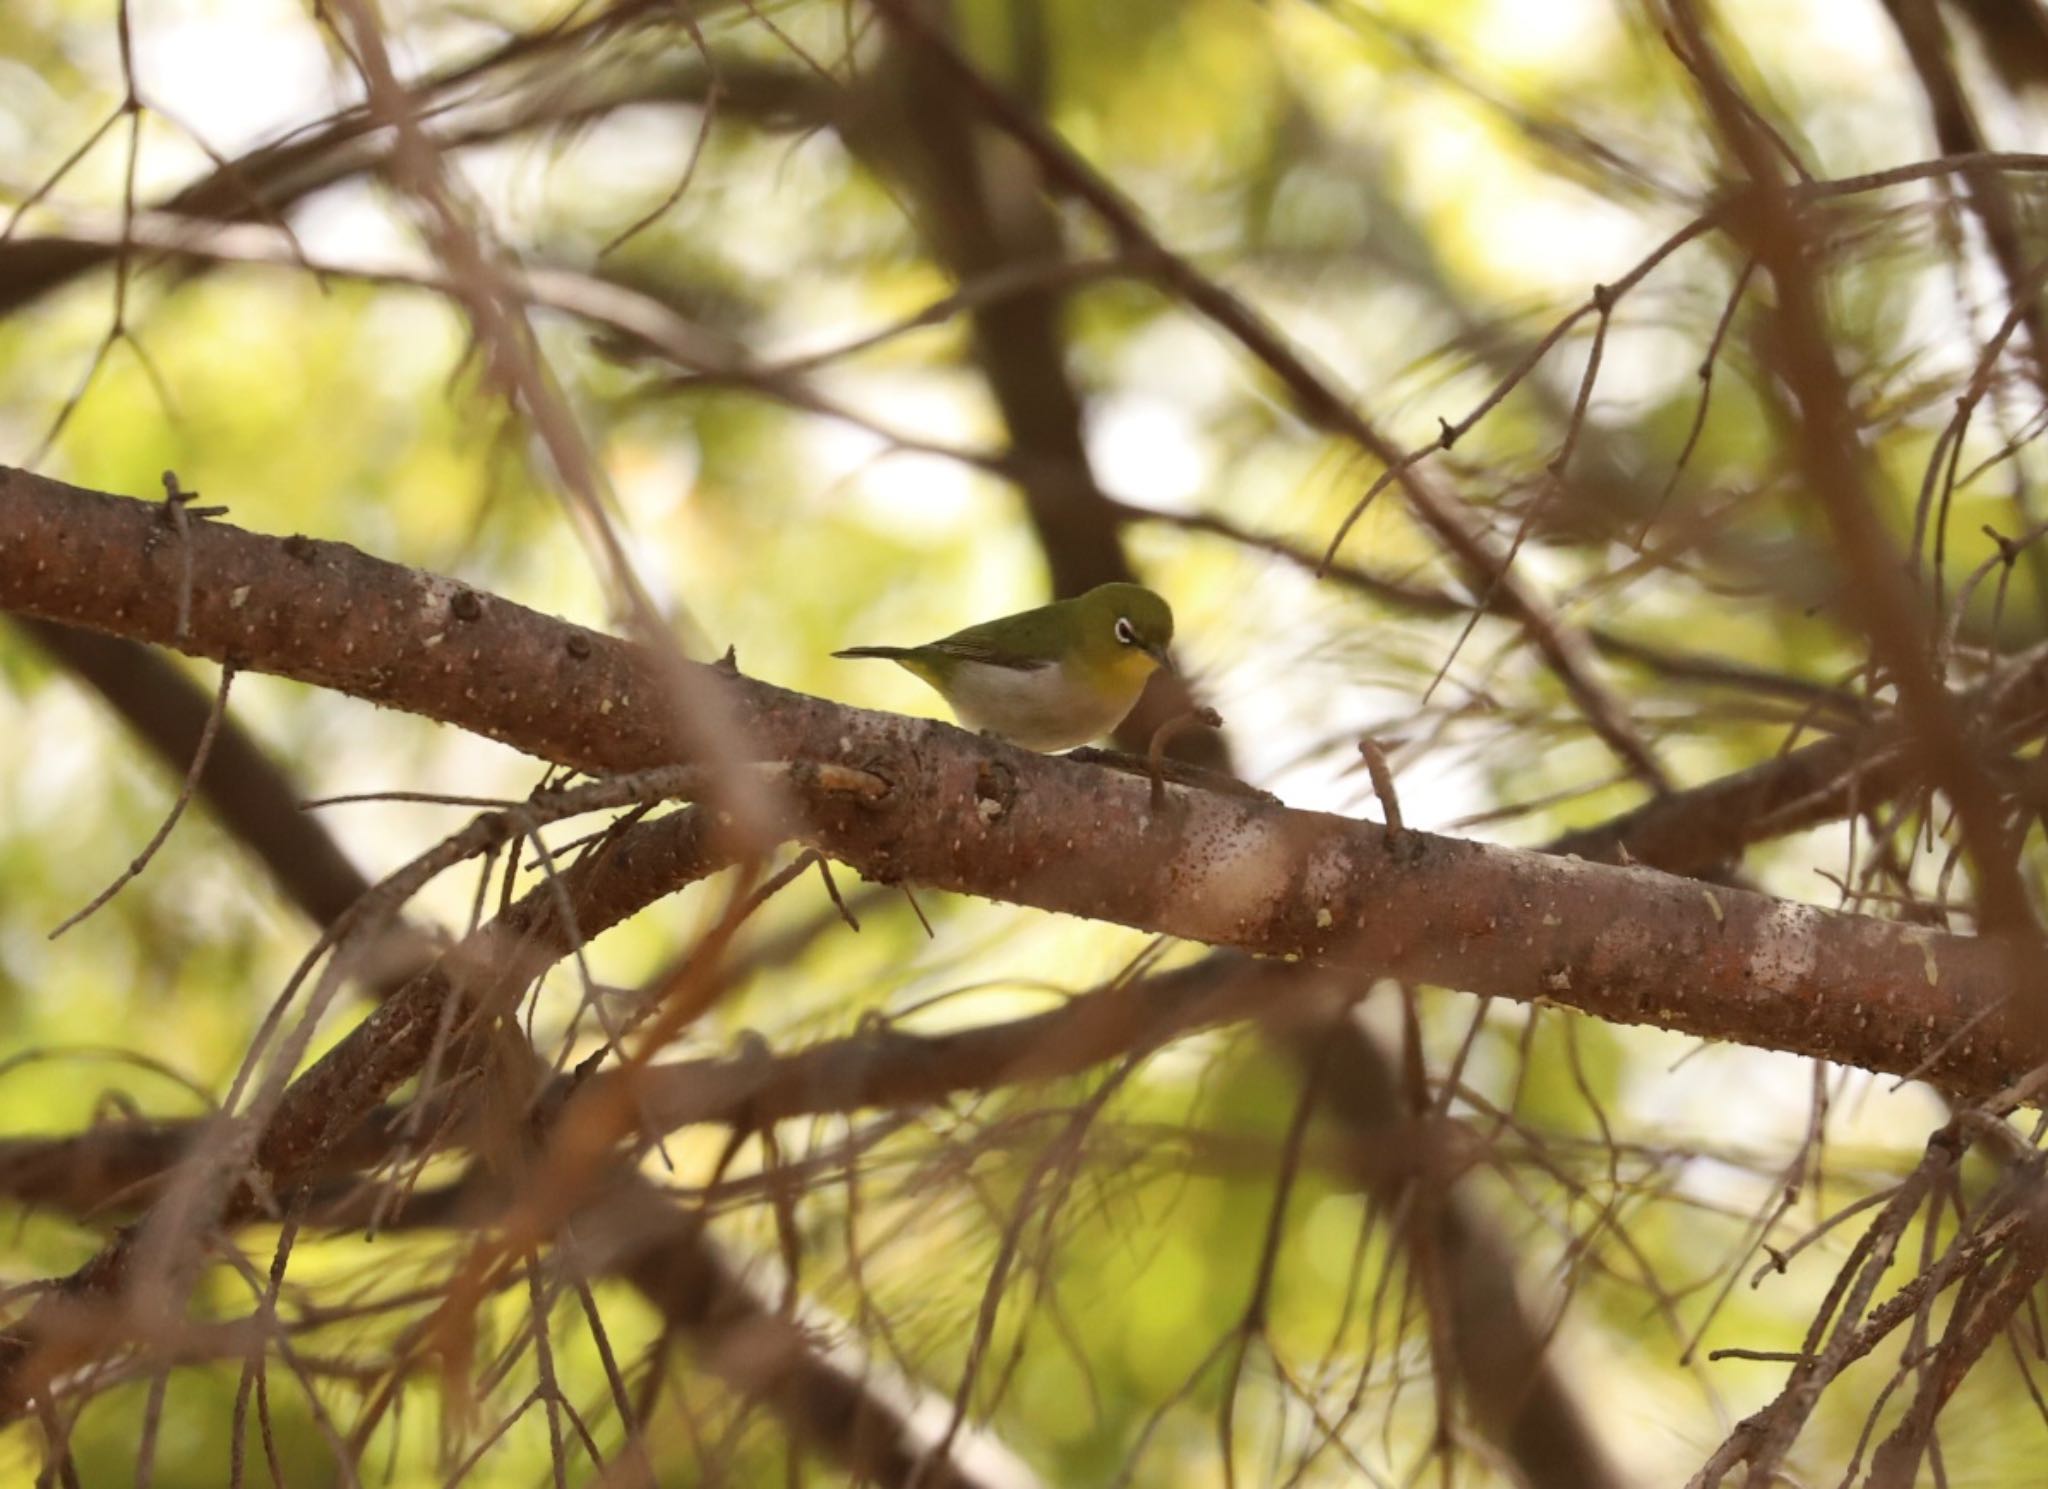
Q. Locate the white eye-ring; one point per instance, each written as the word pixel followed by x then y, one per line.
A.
pixel 1124 633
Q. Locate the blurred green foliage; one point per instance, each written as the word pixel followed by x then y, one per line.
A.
pixel 1406 190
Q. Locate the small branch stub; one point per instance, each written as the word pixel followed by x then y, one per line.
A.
pixel 1165 734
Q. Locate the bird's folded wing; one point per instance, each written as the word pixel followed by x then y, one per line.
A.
pixel 967 647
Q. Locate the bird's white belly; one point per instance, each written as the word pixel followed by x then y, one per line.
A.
pixel 1040 708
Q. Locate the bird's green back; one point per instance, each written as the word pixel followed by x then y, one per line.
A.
pixel 1086 623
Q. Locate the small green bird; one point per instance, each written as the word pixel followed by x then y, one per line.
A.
pixel 1050 678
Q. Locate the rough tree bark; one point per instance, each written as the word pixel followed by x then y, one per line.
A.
pixel 1626 944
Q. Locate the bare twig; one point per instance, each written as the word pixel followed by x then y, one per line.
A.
pixel 163 832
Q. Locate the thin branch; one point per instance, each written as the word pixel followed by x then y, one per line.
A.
pixel 163 832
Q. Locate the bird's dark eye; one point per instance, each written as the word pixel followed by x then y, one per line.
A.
pixel 1124 633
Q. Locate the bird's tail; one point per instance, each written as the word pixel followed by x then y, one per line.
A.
pixel 887 653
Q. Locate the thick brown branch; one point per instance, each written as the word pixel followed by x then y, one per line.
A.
pixel 968 815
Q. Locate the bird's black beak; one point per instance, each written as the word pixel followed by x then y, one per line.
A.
pixel 1158 654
